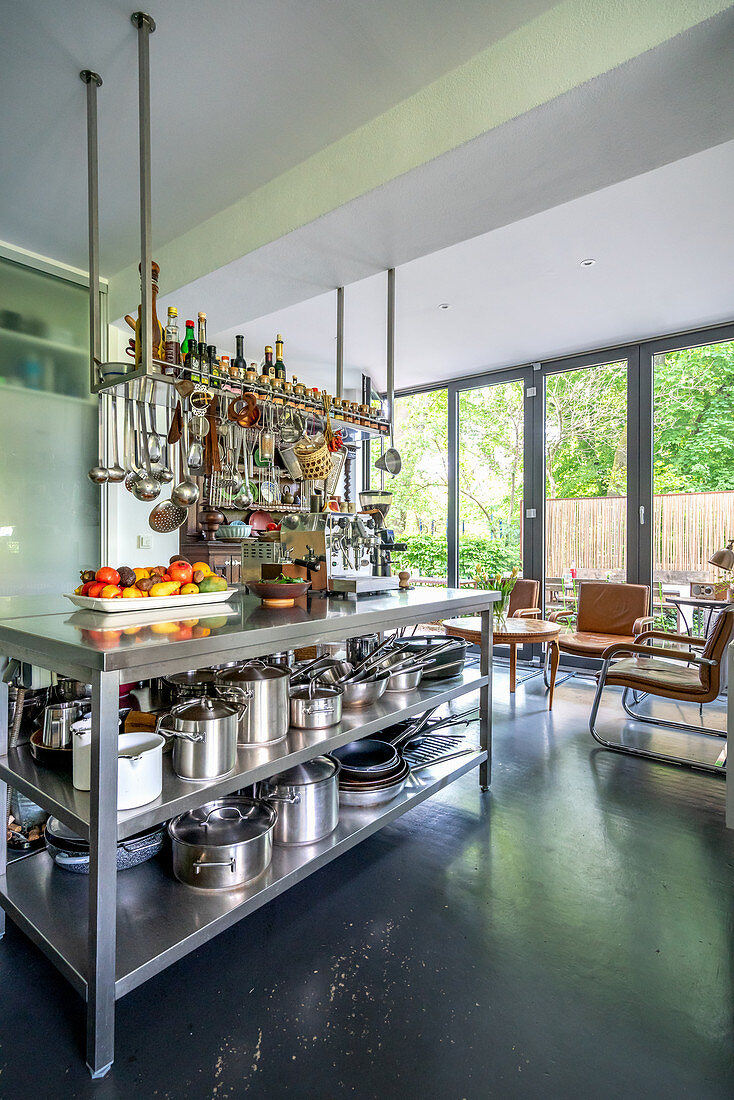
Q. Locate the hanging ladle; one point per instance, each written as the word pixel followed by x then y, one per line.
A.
pixel 115 472
pixel 145 487
pixel 186 492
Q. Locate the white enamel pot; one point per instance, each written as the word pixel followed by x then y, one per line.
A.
pixel 139 766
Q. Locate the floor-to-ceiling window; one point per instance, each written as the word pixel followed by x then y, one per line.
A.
pixel 419 509
pixel 490 473
pixel 614 466
pixel 585 478
pixel 693 475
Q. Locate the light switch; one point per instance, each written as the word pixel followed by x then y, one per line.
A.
pixel 145 542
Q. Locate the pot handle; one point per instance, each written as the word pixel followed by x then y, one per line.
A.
pixel 224 812
pixel 199 863
pixel 237 695
pixel 327 708
pixel 176 733
pixel 273 796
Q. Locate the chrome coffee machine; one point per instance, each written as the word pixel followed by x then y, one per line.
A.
pixel 341 552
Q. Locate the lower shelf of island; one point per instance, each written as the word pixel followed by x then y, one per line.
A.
pixel 159 920
pixel 56 793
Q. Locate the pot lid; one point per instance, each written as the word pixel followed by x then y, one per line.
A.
pixel 195 676
pixel 203 709
pixel 64 837
pixel 311 771
pixel 226 821
pixel 249 672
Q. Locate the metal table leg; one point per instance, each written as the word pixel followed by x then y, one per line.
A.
pixel 102 942
pixel 3 793
pixel 485 699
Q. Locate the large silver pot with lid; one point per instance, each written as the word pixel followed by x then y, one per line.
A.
pixel 222 844
pixel 205 737
pixel 264 688
pixel 307 797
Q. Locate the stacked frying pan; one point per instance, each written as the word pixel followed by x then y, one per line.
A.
pixel 372 772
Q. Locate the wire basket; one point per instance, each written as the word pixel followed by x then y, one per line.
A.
pixel 315 464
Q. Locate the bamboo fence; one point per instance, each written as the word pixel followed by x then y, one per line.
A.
pixel 589 533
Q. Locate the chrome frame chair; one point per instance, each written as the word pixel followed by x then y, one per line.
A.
pixel 702 662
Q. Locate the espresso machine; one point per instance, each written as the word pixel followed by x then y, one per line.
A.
pixel 343 553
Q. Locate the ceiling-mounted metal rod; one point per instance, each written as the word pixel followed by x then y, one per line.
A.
pixel 145 26
pixel 390 345
pixel 390 362
pixel 93 81
pixel 340 342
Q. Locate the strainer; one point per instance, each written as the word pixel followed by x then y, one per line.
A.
pixel 167 517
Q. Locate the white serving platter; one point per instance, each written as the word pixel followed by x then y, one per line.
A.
pixel 151 603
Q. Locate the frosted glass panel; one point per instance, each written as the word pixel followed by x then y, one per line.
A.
pixel 49 511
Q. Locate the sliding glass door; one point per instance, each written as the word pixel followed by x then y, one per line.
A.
pixel 418 513
pixel 585 478
pixel 693 478
pixel 491 438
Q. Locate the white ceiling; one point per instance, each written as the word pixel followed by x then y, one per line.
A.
pixel 662 242
pixel 240 92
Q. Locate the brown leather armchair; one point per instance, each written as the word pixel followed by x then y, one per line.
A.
pixel 607 613
pixel 524 599
pixel 643 668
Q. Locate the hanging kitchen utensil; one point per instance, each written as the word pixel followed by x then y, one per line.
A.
pixel 201 398
pixel 174 432
pixel 154 442
pixel 186 492
pixel 291 427
pixel 390 461
pixel 99 474
pixel 266 443
pixel 115 473
pixel 211 445
pixel 145 487
pixel 199 426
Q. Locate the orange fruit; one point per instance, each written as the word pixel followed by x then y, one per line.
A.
pixel 202 566
pixel 141 574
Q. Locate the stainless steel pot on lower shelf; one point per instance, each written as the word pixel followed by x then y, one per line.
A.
pixel 223 844
pixel 265 690
pixel 307 798
pixel 205 737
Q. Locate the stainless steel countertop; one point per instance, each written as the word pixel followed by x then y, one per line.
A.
pixel 82 640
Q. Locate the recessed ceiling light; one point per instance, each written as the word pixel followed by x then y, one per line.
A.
pixel 588 263
pixel 444 305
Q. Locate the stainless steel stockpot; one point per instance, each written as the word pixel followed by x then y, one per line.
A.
pixel 265 690
pixel 224 843
pixel 307 797
pixel 205 737
pixel 316 707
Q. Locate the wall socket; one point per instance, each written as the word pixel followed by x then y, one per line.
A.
pixel 145 542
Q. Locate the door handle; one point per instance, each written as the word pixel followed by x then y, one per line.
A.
pixel 642 515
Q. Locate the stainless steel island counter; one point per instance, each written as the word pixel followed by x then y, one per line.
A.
pixel 108 935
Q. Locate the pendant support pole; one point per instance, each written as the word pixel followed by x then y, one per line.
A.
pixel 93 81
pixel 340 342
pixel 145 26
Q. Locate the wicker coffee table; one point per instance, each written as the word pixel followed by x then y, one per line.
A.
pixel 514 632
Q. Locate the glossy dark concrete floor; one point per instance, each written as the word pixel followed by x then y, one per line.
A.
pixel 567 935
